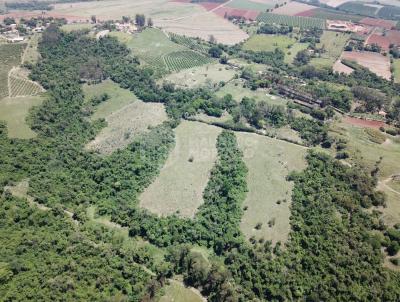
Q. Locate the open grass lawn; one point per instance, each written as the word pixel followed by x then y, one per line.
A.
pixel 31 54
pixel 268 43
pixel 269 161
pixel 291 52
pixel 363 150
pixel 333 43
pixel 396 70
pixel 236 89
pixel 76 26
pixel 14 112
pixel 126 116
pixel 209 75
pixel 176 292
pixel 180 185
pixel 119 98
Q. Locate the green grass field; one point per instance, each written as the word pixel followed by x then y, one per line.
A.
pixel 119 98
pixel 207 75
pixel 236 89
pixel 269 161
pixel 76 26
pixel 176 292
pixel 396 70
pixel 180 185
pixel 333 43
pixel 14 112
pixel 291 53
pixel 362 150
pixel 251 5
pixel 126 116
pixel 31 54
pixel 268 43
pixel 154 48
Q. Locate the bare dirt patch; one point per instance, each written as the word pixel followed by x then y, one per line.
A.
pixel 363 123
pixel 341 68
pixel 374 61
pixel 293 9
pixel 387 24
pixel 179 187
pixel 382 41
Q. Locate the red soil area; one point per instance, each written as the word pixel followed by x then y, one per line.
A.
pixel 393 36
pixel 307 13
pixel 363 123
pixel 378 22
pixel 209 5
pixel 248 14
pixel 382 41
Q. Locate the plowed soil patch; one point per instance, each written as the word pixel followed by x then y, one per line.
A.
pixel 363 123
pixel 375 62
pixel 378 22
pixel 235 12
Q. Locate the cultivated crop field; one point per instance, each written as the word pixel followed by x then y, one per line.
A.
pixel 209 75
pixel 251 5
pixel 14 112
pixel 126 117
pixel 190 43
pixel 375 62
pixel 20 85
pixel 268 42
pixel 154 48
pixel 10 56
pixel 293 8
pixel 180 184
pixel 295 21
pixel 333 43
pixel 268 200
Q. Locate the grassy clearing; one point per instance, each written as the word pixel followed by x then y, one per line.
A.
pixel 251 5
pixel 363 150
pixel 176 292
pixel 126 116
pixel 291 53
pixel 269 161
pixel 236 89
pixel 333 43
pixel 31 54
pixel 208 75
pixel 180 185
pixel 268 43
pixel 76 26
pixel 396 70
pixel 119 98
pixel 14 112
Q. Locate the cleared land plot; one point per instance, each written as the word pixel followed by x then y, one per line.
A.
pixel 291 53
pixel 396 72
pixel 154 48
pixel 368 153
pixel 269 162
pixel 182 18
pixel 126 117
pixel 209 75
pixel 10 56
pixel 382 41
pixel 176 292
pixel 375 62
pixel 341 68
pixel 236 89
pixel 293 8
pixel 180 185
pixel 330 14
pixel 14 112
pixel 388 24
pixel 236 12
pixel 268 42
pixel 295 21
pixel 333 43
